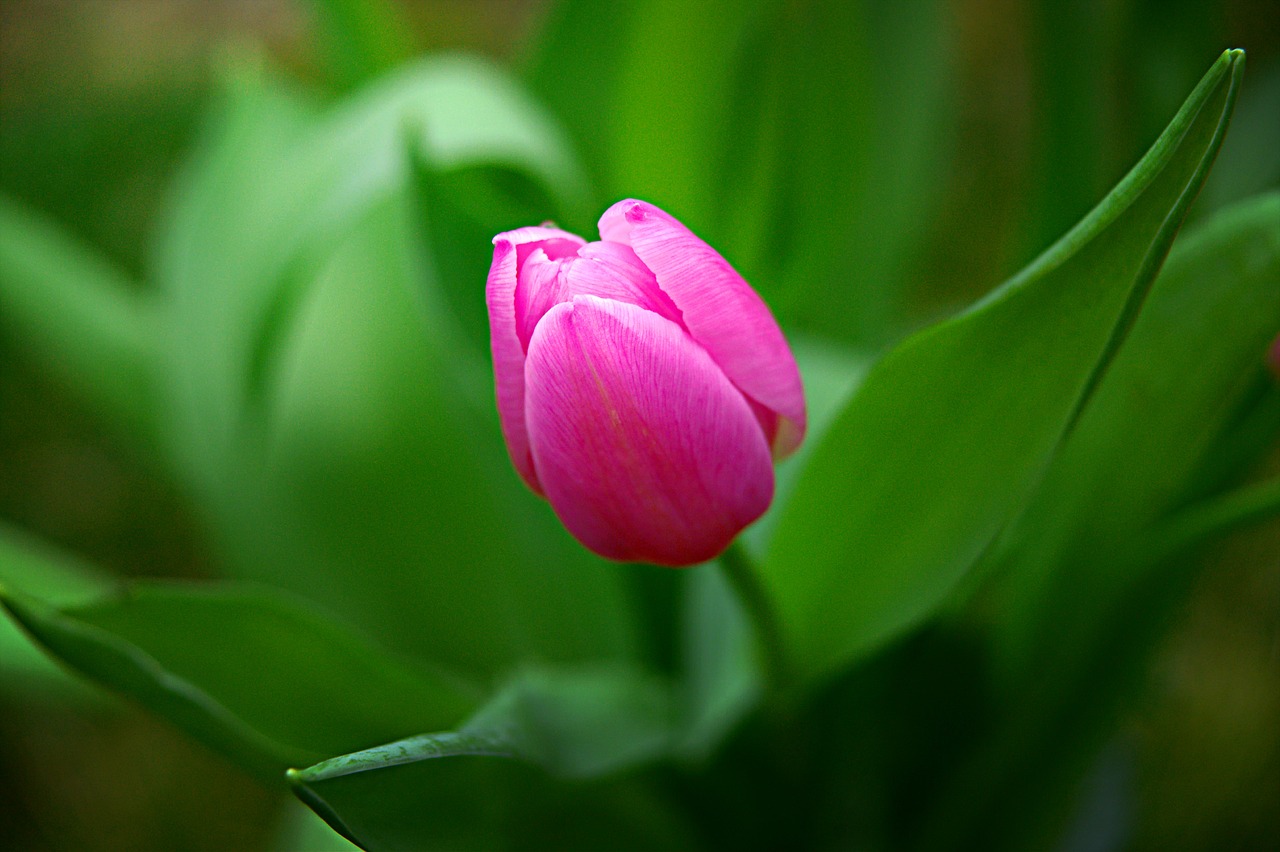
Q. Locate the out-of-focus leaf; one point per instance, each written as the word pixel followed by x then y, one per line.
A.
pixel 219 259
pixel 276 183
pixel 461 210
pixel 721 677
pixel 831 373
pixel 30 568
pixel 260 677
pixel 1084 581
pixel 81 318
pixel 384 494
pixel 337 424
pixel 1250 162
pixel 652 112
pixel 478 782
pixel 362 38
pixel 852 144
pixel 1075 58
pixel 1219 516
pixel 950 432
pixel 775 130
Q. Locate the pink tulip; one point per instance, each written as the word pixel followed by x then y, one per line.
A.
pixel 643 386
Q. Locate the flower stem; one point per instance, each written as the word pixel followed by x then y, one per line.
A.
pixel 742 576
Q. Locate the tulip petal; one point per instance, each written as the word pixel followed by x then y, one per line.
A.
pixel 508 353
pixel 720 310
pixel 644 448
pixel 607 270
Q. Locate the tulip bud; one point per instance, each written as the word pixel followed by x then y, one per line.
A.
pixel 644 388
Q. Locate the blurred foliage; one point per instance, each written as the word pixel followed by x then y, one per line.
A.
pixel 242 342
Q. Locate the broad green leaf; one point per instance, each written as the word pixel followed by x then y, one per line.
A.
pixel 80 318
pixel 266 680
pixel 952 430
pixel 1161 414
pixel 31 567
pixel 361 38
pixel 478 785
pixel 477 802
pixel 1083 584
pixel 217 263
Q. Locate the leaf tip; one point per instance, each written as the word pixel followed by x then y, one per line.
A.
pixel 1234 59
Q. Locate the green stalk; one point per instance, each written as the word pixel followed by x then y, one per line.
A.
pixel 774 660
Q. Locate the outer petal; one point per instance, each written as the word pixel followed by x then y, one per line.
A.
pixel 643 446
pixel 508 354
pixel 720 310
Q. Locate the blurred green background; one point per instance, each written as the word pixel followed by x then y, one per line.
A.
pixel 1041 107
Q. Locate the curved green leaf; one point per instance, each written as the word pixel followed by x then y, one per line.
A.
pixel 1176 387
pixel 1080 590
pixel 479 782
pixel 260 677
pixel 951 431
pixel 335 423
pixel 29 567
pixel 278 181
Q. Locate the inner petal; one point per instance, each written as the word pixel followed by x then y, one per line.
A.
pixel 607 270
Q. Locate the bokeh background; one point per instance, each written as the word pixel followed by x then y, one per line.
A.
pixel 1046 105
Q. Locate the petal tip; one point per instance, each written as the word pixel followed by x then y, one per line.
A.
pixel 635 210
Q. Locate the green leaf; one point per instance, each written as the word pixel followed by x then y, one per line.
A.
pixel 29 567
pixel 80 318
pixel 389 497
pixel 303 831
pixel 338 430
pixel 647 138
pixel 831 373
pixel 952 430
pixel 219 259
pixel 721 678
pixel 836 151
pixel 787 139
pixel 276 184
pixel 1161 414
pixel 1083 585
pixel 264 679
pixel 461 210
pixel 478 782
